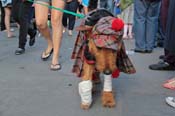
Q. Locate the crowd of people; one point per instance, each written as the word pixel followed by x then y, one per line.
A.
pixel 144 20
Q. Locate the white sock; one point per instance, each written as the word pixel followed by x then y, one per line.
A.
pixel 107 83
pixel 85 91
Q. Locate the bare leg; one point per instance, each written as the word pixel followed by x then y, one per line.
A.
pixel 7 21
pixel 85 10
pixel 57 29
pixel 125 32
pixel 41 14
pixel 130 31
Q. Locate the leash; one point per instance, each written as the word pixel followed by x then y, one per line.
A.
pixel 58 9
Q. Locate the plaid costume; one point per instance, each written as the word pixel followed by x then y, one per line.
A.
pixel 105 37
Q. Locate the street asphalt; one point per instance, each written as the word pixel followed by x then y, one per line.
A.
pixel 29 88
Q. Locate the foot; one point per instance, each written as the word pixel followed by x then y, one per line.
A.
pixel 19 51
pixel 64 30
pixel 140 51
pixel 11 36
pixel 170 101
pixel 130 36
pixel 45 55
pixel 70 32
pixel 149 51
pixel 32 40
pixel 162 57
pixel 108 99
pixel 55 67
pixel 162 66
pixel 125 37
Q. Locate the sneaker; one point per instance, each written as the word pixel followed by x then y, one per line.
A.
pixel 64 30
pixel 32 40
pixel 19 51
pixel 70 32
pixel 170 101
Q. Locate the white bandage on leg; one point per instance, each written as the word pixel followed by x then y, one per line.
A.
pixel 85 91
pixel 107 83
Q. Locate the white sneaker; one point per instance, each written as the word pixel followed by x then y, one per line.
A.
pixel 70 32
pixel 64 30
pixel 170 101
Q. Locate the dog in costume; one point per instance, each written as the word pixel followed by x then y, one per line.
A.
pixel 99 48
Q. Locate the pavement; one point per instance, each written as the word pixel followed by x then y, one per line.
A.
pixel 29 88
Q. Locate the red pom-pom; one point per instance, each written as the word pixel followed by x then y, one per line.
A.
pixel 116 73
pixel 117 24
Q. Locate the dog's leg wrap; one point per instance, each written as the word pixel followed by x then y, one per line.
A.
pixel 85 91
pixel 107 83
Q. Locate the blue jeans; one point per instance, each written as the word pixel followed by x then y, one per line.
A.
pixel 145 24
pixel 107 4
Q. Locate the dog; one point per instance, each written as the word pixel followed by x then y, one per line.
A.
pixel 99 49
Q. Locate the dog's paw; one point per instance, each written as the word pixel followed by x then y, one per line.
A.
pixel 85 106
pixel 108 99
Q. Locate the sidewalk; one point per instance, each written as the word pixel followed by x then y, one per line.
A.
pixel 29 88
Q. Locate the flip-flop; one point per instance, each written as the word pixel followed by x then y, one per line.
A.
pixel 46 55
pixel 55 67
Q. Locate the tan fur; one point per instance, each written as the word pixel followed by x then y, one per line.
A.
pixel 105 59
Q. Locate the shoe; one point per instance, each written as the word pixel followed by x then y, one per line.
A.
pixel 55 67
pixel 46 55
pixel 19 51
pixel 70 32
pixel 32 40
pixel 140 51
pixel 162 57
pixel 149 51
pixel 170 84
pixel 64 30
pixel 162 66
pixel 170 101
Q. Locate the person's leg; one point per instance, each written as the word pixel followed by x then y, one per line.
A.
pixel 65 15
pixel 103 3
pixel 130 31
pixel 72 7
pixel 32 30
pixel 24 23
pixel 152 24
pixel 41 16
pixel 110 5
pixel 56 20
pixel 85 4
pixel 125 31
pixel 2 18
pixel 139 24
pixel 7 21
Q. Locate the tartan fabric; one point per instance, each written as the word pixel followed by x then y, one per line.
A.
pixel 103 34
pixel 123 63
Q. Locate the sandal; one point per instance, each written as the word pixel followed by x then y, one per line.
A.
pixel 55 67
pixel 170 85
pixel 46 55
